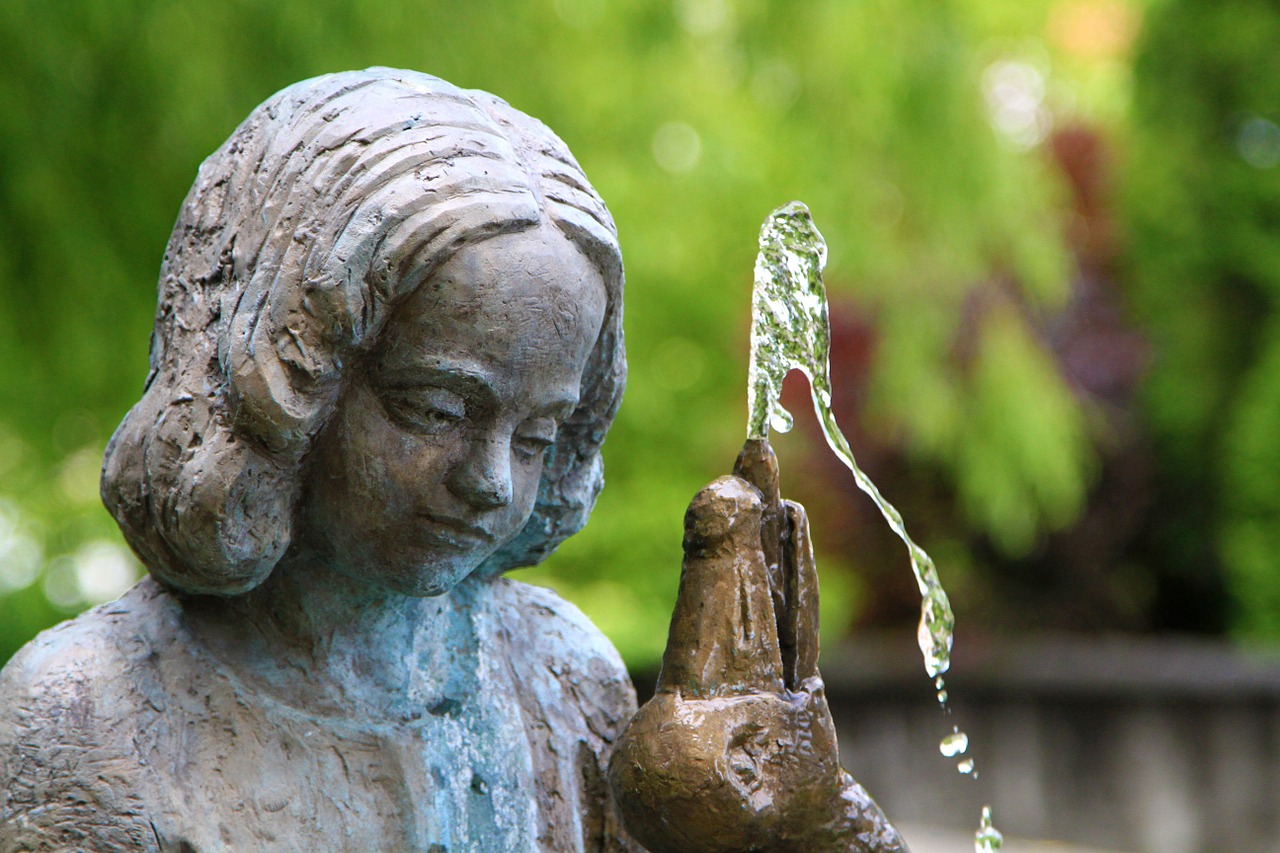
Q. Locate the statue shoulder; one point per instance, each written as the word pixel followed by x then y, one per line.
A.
pixel 86 656
pixel 550 637
pixel 555 631
pixel 576 697
pixel 70 704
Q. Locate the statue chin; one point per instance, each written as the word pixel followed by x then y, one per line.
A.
pixel 420 572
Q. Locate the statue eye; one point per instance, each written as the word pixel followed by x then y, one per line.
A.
pixel 533 437
pixel 429 410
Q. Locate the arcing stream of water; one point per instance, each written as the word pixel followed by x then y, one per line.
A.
pixel 790 330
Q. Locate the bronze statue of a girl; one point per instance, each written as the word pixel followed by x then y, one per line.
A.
pixel 387 349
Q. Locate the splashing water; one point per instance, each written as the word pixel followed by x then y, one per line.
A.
pixel 790 330
pixel 987 839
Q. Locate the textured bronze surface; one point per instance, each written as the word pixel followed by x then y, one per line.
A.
pixel 737 751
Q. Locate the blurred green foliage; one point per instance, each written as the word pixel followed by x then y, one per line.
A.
pixel 1203 207
pixel 694 119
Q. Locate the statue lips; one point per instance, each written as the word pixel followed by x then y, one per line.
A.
pixel 455 532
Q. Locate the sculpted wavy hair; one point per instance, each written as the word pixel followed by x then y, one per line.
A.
pixel 331 203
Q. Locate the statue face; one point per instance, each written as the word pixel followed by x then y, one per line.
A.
pixel 434 454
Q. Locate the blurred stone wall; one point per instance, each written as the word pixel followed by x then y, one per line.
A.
pixel 1151 745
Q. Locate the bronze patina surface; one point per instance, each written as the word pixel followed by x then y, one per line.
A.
pixel 737 751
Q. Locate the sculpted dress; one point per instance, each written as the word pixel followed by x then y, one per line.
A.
pixel 121 730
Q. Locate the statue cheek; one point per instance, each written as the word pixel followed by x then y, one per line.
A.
pixel 376 460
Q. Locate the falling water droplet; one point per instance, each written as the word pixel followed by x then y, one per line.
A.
pixel 987 839
pixel 942 692
pixel 956 743
pixel 790 330
pixel 966 767
pixel 781 421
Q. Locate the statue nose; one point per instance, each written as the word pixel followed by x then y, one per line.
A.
pixel 483 478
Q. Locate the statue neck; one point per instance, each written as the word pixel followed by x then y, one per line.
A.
pixel 318 639
pixel 306 604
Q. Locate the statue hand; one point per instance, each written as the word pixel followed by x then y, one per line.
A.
pixel 737 751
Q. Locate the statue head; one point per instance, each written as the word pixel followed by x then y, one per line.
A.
pixel 322 215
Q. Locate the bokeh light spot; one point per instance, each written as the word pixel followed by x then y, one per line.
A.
pixel 775 84
pixel 677 147
pixel 1095 30
pixel 60 587
pixel 703 17
pixel 104 570
pixel 78 475
pixel 1014 91
pixel 20 552
pixel 1259 143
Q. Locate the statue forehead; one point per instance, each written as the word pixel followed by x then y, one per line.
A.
pixel 539 261
pixel 496 292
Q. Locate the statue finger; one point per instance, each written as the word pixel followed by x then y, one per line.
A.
pixel 758 465
pixel 723 639
pixel 801 622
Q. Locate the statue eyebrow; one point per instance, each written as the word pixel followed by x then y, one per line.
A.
pixel 470 381
pixel 466 380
